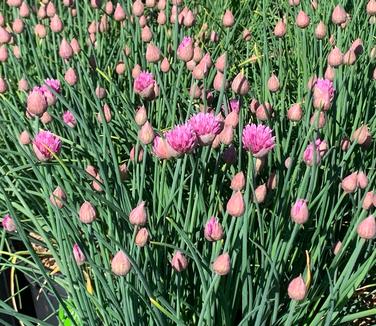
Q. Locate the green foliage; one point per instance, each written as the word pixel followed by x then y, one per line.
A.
pixel 266 248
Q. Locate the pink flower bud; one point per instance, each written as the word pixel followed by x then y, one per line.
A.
pixel 132 154
pixel 179 261
pixel 339 15
pixel 221 62
pixel 232 119
pixel 320 31
pixel 141 116
pixel 260 194
pixel 161 19
pixel 288 162
pixel 142 237
pixel 18 26
pixel 349 57
pixel 264 112
pixel 109 8
pixel 87 213
pixel 146 34
pixel 197 54
pixel 24 138
pixel 153 54
pixel 238 181
pixel 97 183
pixel 162 149
pixel 362 180
pixel 58 197
pixel 123 170
pixel 371 7
pixel 350 183
pixel 295 112
pixel 367 228
pixel 8 224
pixel 280 29
pixel 335 57
pixel 330 73
pixel 40 31
pixel 36 103
pixel 214 37
pixel 5 36
pixel 65 50
pixel 56 24
pixel 78 255
pixel 294 2
pixel 219 82
pixel 337 247
pixel 318 119
pixel 345 144
pixel 138 8
pixel 246 35
pixel 227 135
pixel 70 76
pixel 228 19
pixel 272 181
pixel 146 133
pixel 119 14
pixel 50 9
pixel 235 205
pixel 120 264
pixel 361 135
pixel 222 264
pixel 24 10
pixel 368 200
pixel 106 112
pixel 297 289
pixel 189 19
pixel 165 65
pixel 138 215
pixel 91 170
pixel 299 211
pixel 185 49
pixel 254 105
pixel 75 46
pixel 213 230
pixel 302 20
pixel 273 83
pixel 240 84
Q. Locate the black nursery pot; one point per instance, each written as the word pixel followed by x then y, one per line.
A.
pixel 45 302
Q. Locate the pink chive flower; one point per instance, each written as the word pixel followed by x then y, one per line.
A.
pixel 185 49
pixel 234 105
pixel 78 255
pixel 45 144
pixel 206 126
pixel 69 119
pixel 323 93
pixel 213 230
pixel 258 139
pixel 315 151
pixel 8 224
pixel 54 84
pixel 182 139
pixel 144 84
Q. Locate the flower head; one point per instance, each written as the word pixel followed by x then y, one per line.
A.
pixel 69 119
pixel 54 84
pixel 185 49
pixel 8 223
pixel 45 144
pixel 206 126
pixel 323 93
pixel 315 151
pixel 213 230
pixel 143 81
pixel 182 138
pixel 299 211
pixel 78 255
pixel 258 139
